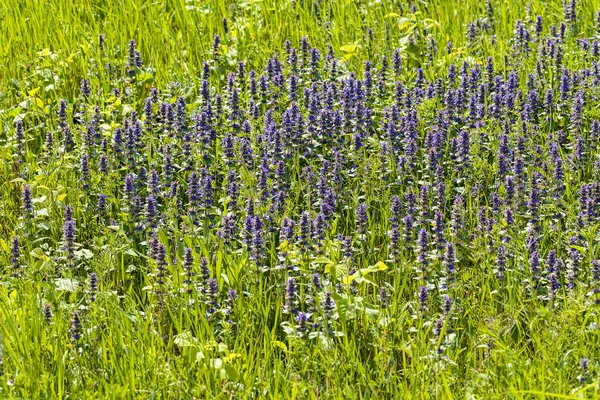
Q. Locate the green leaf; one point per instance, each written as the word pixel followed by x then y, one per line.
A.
pixel 66 284
pixel 380 266
pixel 86 253
pixel 231 373
pixel 200 356
pixel 341 270
pixel 322 260
pixel 145 77
pixel 346 310
pixel 349 48
pixel 279 344
pixel 372 313
pixel 185 339
pixel 349 278
pixel 4 245
pixel 222 347
pixel 131 252
pixel 38 253
pixel 127 109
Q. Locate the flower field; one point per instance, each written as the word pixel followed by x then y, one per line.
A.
pixel 298 199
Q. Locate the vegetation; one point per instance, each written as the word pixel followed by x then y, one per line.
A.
pixel 295 199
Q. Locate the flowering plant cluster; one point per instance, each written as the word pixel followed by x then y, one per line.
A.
pixel 310 205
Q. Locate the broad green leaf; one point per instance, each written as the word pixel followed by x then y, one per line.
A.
pixel 231 373
pixel 185 339
pixel 38 253
pixel 66 284
pixel 349 48
pixel 279 344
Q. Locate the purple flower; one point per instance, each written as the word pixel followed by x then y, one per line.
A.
pixel 188 265
pixel 577 109
pixel 301 323
pixel 101 204
pixel 151 212
pixel 328 203
pixel 75 330
pixel 394 240
pixel 438 326
pixel 565 84
pixel 257 241
pixel 204 275
pixel 439 230
pixel 27 201
pixel 553 283
pixel 552 262
pixel 20 137
pixel 85 87
pixel 534 265
pixel 68 237
pixel 328 305
pixel 423 296
pixel 160 256
pixel 304 231
pixel 93 287
pixel 383 297
pixel 396 208
pixel 422 251
pixel 500 262
pixel 446 304
pixel 216 42
pixel 84 167
pixel 15 256
pixel 47 311
pixel 449 261
pixel 361 218
pixel 318 231
pixel 291 297
pixel 456 217
pixel 212 292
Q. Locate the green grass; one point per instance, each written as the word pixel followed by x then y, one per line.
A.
pixel 499 342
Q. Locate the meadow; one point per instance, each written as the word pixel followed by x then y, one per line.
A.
pixel 299 199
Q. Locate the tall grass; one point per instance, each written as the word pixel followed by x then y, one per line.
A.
pixel 500 341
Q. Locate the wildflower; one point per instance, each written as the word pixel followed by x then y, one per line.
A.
pixel 93 287
pixel 301 323
pixel 75 330
pixel 68 238
pixel 291 293
pixel 47 311
pixel 383 297
pixel 27 201
pixel 361 218
pixel 423 296
pixel 188 263
pixel 15 256
pixel 446 304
